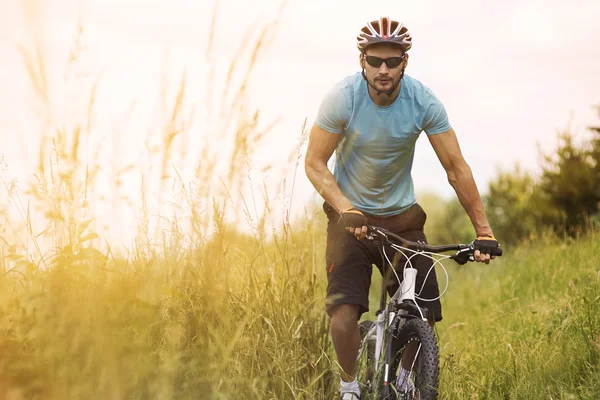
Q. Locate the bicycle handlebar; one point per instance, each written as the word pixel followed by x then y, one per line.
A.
pixel 375 232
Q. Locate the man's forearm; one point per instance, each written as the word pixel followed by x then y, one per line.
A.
pixel 325 184
pixel 461 179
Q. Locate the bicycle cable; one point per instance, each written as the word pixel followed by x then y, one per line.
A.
pixel 403 273
pixel 409 262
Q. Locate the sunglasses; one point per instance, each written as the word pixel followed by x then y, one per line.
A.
pixel 392 62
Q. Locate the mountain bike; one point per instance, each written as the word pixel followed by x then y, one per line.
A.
pixel 401 323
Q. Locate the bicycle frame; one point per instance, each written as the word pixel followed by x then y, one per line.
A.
pixel 404 292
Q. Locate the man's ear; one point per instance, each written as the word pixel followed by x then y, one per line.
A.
pixel 405 60
pixel 361 60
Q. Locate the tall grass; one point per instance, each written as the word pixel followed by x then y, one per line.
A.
pixel 234 319
pixel 194 308
pixel 230 319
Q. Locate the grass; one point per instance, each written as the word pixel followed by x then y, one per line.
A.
pixel 526 329
pixel 217 322
pixel 526 326
pixel 236 319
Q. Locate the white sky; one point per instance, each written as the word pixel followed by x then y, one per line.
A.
pixel 510 74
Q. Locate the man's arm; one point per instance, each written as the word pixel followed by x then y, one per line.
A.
pixel 461 178
pixel 321 145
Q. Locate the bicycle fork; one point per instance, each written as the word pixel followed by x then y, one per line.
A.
pixel 407 291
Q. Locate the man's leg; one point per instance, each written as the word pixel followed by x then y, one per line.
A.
pixel 346 338
pixel 349 267
pixel 349 278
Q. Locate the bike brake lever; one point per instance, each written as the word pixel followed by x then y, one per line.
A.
pixel 464 255
pixel 380 235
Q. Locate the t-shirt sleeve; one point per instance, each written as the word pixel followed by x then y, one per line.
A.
pixel 334 112
pixel 436 118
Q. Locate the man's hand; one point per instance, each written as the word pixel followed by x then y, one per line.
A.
pixel 486 248
pixel 355 222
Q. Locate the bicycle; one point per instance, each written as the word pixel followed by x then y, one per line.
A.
pixel 400 322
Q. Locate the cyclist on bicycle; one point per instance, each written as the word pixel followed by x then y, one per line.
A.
pixel 372 120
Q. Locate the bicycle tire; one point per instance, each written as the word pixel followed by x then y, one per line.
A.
pixel 427 364
pixel 365 366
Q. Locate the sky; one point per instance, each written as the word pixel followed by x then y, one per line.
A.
pixel 511 74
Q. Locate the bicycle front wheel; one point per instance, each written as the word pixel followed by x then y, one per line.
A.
pixel 416 336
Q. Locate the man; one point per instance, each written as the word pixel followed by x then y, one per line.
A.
pixel 372 120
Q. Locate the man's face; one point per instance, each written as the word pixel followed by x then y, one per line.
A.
pixel 385 76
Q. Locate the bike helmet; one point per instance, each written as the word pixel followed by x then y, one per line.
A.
pixel 384 30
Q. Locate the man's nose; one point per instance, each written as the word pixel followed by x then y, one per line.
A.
pixel 383 69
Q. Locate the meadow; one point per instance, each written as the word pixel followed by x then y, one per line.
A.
pixel 237 318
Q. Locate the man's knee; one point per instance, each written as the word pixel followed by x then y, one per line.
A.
pixel 344 317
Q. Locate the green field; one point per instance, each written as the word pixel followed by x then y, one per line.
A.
pixel 241 318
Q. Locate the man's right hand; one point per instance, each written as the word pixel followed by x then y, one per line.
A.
pixel 486 248
pixel 355 222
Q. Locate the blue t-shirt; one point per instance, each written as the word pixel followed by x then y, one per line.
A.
pixel 375 154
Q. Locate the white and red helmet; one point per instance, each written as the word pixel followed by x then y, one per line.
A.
pixel 384 30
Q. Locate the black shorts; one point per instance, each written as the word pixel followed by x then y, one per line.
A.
pixel 349 261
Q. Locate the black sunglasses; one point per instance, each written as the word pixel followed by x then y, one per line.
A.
pixel 392 62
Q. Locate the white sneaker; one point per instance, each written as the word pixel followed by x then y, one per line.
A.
pixel 350 396
pixel 406 390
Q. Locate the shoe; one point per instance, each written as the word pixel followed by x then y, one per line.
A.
pixel 350 396
pixel 406 393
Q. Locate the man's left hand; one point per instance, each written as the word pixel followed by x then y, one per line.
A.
pixel 486 248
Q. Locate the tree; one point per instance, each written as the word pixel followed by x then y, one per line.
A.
pixel 564 199
pixel 571 180
pixel 516 207
pixel 447 221
pixel 595 155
